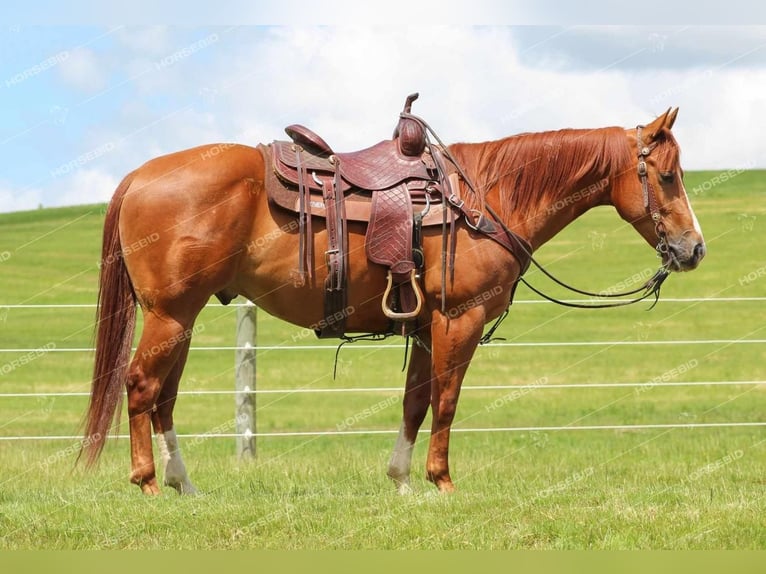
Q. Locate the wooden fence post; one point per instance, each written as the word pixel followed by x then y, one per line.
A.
pixel 245 380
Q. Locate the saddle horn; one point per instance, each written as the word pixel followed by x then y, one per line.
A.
pixel 408 102
pixel 409 132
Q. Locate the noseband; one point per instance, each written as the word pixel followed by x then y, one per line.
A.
pixel 650 198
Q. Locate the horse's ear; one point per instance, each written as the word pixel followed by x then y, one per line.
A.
pixel 671 119
pixel 661 121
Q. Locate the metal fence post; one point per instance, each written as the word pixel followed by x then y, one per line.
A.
pixel 245 380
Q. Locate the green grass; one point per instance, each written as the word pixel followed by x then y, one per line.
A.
pixel 676 488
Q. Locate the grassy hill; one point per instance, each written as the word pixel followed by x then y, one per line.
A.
pixel 653 488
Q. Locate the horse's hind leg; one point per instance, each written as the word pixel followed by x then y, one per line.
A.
pixel 417 393
pixel 158 350
pixel 173 468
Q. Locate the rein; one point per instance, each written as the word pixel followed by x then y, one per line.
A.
pixel 650 288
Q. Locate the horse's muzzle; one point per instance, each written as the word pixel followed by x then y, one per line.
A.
pixel 684 256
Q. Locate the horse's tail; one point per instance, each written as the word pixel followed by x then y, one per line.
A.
pixel 115 325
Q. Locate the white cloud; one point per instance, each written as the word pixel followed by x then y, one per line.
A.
pixel 349 83
pixel 83 71
pixel 390 13
pixel 645 48
pixel 719 120
pixel 153 41
pixel 86 185
pixel 13 199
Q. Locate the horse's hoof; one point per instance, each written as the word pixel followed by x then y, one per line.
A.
pixel 183 488
pixel 188 490
pixel 446 487
pixel 401 481
pixel 403 489
pixel 150 488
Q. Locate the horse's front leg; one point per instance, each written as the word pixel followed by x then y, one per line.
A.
pixel 453 344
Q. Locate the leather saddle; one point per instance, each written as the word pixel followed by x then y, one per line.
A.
pixel 318 167
pixel 395 186
pixel 375 168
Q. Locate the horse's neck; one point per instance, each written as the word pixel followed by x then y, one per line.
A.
pixel 553 213
pixel 542 182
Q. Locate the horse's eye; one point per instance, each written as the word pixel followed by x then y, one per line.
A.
pixel 667 177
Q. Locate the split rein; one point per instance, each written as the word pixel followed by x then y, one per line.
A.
pixel 654 284
pixel 648 289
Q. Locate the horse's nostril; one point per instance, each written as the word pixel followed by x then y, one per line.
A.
pixel 699 251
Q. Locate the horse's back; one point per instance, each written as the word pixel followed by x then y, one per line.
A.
pixel 201 168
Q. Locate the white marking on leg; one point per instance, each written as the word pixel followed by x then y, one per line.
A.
pixel 401 462
pixel 173 466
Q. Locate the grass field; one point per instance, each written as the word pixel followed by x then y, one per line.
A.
pixel 676 488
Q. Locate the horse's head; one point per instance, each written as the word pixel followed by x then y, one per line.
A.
pixel 652 197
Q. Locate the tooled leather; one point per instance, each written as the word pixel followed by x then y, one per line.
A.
pixel 286 167
pixel 358 202
pixel 308 139
pixel 412 137
pixel 284 152
pixel 380 166
pixel 389 235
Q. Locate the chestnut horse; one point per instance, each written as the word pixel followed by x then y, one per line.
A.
pixel 192 224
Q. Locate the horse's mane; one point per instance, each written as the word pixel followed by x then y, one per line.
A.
pixel 531 167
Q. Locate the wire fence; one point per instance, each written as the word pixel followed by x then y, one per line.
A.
pixel 393 432
pixel 469 388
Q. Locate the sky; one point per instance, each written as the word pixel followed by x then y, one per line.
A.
pixel 82 105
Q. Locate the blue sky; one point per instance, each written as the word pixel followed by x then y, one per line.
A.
pixel 84 105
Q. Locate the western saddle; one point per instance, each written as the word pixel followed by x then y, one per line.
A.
pixel 397 187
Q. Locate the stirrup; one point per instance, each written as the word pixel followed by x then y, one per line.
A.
pixel 393 315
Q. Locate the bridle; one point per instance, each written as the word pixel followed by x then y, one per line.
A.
pixel 650 198
pixel 651 287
